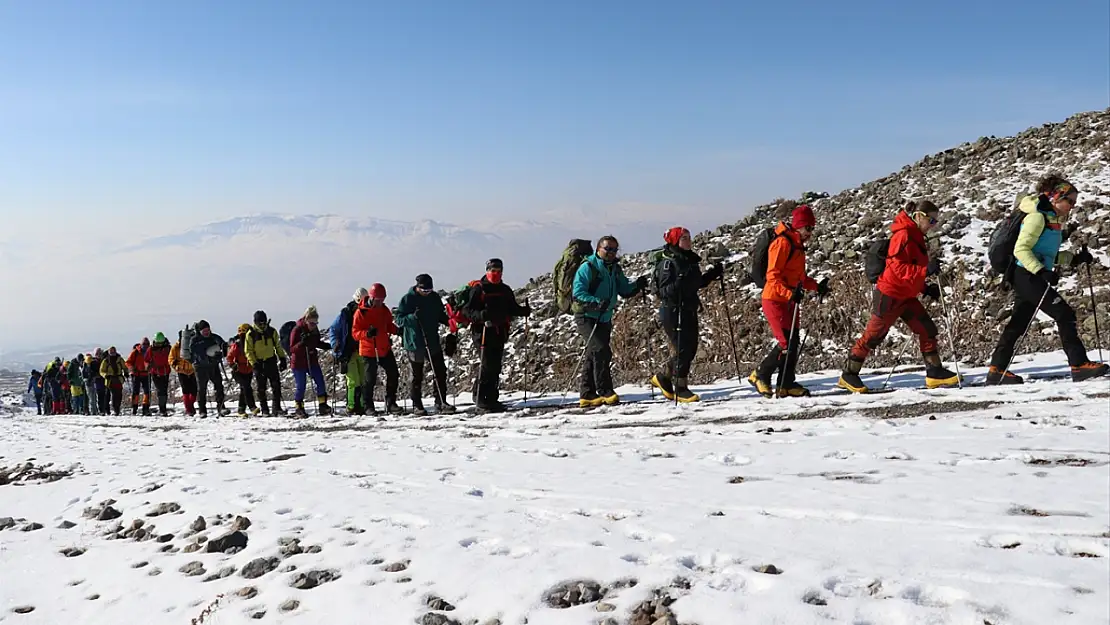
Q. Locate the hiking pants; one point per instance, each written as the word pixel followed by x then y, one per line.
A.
pixel 115 391
pixel 300 376
pixel 681 327
pixel 417 361
pixel 1028 289
pixel 370 378
pixel 162 387
pixel 78 399
pixel 140 384
pixel 206 374
pixel 355 370
pixel 596 375
pixel 188 382
pixel 786 329
pixel 487 385
pixel 885 311
pixel 38 402
pixel 102 405
pixel 246 393
pixel 266 373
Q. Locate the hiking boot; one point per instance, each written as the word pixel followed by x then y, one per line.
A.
pixel 994 376
pixel 241 414
pixel 608 398
pixel 936 375
pixel 299 412
pixel 322 407
pixel 418 408
pixel 146 410
pixel 1089 370
pixel 849 377
pixel 491 406
pixel 762 386
pixel 255 411
pixel 134 409
pixel 445 409
pixel 391 406
pixel 793 389
pixel 589 399
pixel 682 393
pixel 662 382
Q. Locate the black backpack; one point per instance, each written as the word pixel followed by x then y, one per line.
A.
pixel 1000 249
pixel 757 269
pixel 875 262
pixel 286 330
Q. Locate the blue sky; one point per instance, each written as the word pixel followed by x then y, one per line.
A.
pixel 173 114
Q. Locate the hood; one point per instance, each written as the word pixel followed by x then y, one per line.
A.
pixel 904 222
pixel 1029 204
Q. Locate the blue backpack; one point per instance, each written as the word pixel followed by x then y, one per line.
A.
pixel 342 345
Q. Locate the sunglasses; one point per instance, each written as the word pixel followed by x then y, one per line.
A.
pixel 611 250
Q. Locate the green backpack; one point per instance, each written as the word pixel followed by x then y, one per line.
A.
pixel 562 277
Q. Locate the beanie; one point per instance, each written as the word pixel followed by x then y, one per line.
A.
pixel 495 264
pixel 244 327
pixel 674 234
pixel 310 313
pixel 360 294
pixel 260 316
pixel 202 324
pixel 377 291
pixel 802 217
pixel 424 281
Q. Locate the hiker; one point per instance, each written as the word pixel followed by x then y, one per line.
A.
pixel 491 306
pixel 53 375
pixel 207 350
pixel 242 370
pixel 598 282
pixel 372 326
pixel 33 386
pixel 91 397
pixel 304 343
pixel 678 279
pixel 785 286
pixel 419 314
pixel 158 359
pixel 186 376
pixel 76 385
pixel 139 366
pixel 266 355
pixel 114 370
pixel 1036 254
pixel 99 389
pixel 345 350
pixel 895 297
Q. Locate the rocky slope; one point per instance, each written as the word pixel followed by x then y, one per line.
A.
pixel 974 183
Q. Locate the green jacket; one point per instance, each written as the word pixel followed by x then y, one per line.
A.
pixel 420 316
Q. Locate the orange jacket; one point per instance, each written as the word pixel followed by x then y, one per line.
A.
pixel 377 317
pixel 137 362
pixel 179 364
pixel 237 358
pixel 786 265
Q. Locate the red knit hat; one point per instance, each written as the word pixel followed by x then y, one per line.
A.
pixel 802 217
pixel 674 234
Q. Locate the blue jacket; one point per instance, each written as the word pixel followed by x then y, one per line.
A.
pixel 607 281
pixel 33 383
pixel 1040 237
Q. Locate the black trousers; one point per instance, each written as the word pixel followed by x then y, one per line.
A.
pixel 162 386
pixel 487 386
pixel 266 374
pixel 370 378
pixel 140 385
pixel 101 391
pixel 188 383
pixel 681 327
pixel 1028 290
pixel 246 393
pixel 596 375
pixel 417 361
pixel 204 376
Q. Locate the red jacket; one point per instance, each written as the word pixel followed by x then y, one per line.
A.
pixel 237 358
pixel 377 317
pixel 907 260
pixel 304 342
pixel 137 362
pixel 159 356
pixel 786 266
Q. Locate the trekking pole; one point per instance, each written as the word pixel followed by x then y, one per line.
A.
pixel 951 337
pixel 578 368
pixel 896 361
pixel 1047 288
pixel 525 357
pixel 789 344
pixel 481 363
pixel 1094 309
pixel 731 333
pixel 678 346
pixel 651 360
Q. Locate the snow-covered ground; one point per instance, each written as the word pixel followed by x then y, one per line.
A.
pixel 961 507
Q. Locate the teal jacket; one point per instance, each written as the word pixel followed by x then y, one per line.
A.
pixel 1040 237
pixel 597 282
pixel 419 316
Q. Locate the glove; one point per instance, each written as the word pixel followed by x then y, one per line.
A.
pixel 526 310
pixel 823 287
pixel 601 306
pixel 1050 277
pixel 718 270
pixel 1082 258
pixel 451 345
pixel 282 364
pixel 343 367
pixel 640 283
pixel 371 332
pixel 934 267
pixel 932 291
pixel 323 345
pixel 799 293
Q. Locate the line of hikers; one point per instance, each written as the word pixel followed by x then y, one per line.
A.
pixel 589 284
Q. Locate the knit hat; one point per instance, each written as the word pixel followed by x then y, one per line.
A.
pixel 244 327
pixel 360 294
pixel 202 324
pixel 674 234
pixel 802 217
pixel 310 313
pixel 159 338
pixel 377 291
pixel 260 316
pixel 495 264
pixel 424 281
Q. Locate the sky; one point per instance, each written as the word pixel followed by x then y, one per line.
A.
pixel 123 120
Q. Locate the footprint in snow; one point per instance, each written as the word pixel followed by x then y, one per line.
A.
pixel 283 511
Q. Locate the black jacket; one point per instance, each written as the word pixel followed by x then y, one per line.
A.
pixel 679 277
pixel 495 303
pixel 200 347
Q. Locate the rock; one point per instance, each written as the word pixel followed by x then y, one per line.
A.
pixel 814 597
pixel 226 571
pixel 191 547
pixel 193 568
pixel 395 567
pixel 140 564
pixel 23 609
pixel 240 523
pixel 573 593
pixel 72 552
pixel 155 572
pixel 31 527
pixel 108 513
pixel 164 508
pixel 433 618
pixel 136 524
pixel 199 525
pixel 259 566
pixel 93 597
pixel 289 605
pixel 247 592
pixel 769 569
pixel 435 603
pixel 313 549
pixel 604 607
pixel 314 578
pixel 223 544
pixel 258 615
pixel 6 522
pixel 164 538
pixel 64 525
pixel 289 546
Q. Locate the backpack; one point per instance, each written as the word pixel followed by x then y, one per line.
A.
pixel 456 302
pixel 1000 249
pixel 874 263
pixel 187 335
pixel 286 330
pixel 757 269
pixel 562 276
pixel 341 342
